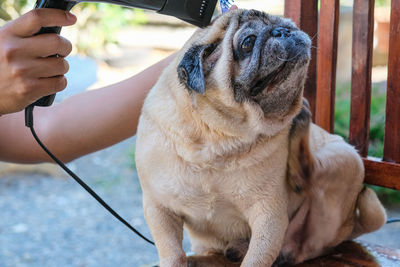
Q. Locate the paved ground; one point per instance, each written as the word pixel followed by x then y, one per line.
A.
pixel 51 221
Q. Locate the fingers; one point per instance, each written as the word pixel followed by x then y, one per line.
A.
pixel 52 85
pixel 26 71
pixel 45 68
pixel 31 90
pixel 42 87
pixel 31 22
pixel 40 77
pixel 39 46
pixel 46 45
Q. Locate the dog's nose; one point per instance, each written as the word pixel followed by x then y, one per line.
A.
pixel 280 32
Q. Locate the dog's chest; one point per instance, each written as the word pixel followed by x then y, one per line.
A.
pixel 217 202
pixel 210 198
pixel 214 208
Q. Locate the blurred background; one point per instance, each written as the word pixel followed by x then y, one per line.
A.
pixel 48 220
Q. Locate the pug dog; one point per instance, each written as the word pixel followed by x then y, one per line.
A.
pixel 213 141
pixel 327 203
pixel 213 138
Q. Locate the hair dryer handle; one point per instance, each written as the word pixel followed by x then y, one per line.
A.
pixel 59 4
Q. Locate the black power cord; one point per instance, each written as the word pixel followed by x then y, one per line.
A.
pixel 395 220
pixel 29 124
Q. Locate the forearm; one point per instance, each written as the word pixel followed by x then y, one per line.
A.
pixel 96 119
pixel 83 123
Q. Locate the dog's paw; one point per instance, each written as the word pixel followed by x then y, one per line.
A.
pixel 301 160
pixel 192 262
pixel 215 260
pixel 236 250
pixel 302 121
pixel 283 260
pixel 234 255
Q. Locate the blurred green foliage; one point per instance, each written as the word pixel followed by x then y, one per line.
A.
pixel 98 23
pixel 377 123
pixel 10 9
pixel 378 3
pixel 384 3
pixel 377 127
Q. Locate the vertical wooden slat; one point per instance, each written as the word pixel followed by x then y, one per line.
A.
pixel 326 64
pixel 392 131
pixel 363 33
pixel 305 14
pixel 293 10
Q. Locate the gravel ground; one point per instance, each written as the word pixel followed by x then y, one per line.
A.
pixel 52 221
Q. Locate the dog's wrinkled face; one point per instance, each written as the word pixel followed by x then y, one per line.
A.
pixel 263 59
pixel 269 51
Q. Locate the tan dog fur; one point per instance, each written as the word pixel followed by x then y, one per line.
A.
pixel 330 206
pixel 327 204
pixel 217 165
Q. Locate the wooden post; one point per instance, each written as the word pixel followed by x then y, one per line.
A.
pixel 392 131
pixel 305 14
pixel 326 64
pixel 363 34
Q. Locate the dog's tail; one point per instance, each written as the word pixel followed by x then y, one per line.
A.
pixel 370 213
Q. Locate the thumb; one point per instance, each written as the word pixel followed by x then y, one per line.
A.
pixel 31 22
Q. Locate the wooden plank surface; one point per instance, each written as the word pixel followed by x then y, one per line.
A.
pixel 363 33
pixel 353 254
pixel 305 14
pixel 382 173
pixel 392 132
pixel 326 64
pixel 346 254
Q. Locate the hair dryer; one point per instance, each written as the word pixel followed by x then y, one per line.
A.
pixel 196 12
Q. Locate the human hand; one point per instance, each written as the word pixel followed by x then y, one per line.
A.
pixel 27 73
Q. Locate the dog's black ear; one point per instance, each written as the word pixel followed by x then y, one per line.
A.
pixel 190 69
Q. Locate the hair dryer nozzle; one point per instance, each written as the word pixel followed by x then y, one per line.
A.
pixel 196 12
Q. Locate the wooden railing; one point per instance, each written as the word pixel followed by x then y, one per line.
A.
pixel 392 130
pixel 322 26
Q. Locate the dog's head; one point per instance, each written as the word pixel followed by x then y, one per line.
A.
pixel 247 60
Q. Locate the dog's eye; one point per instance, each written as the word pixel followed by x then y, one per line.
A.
pixel 248 44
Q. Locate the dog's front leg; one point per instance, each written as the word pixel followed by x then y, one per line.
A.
pixel 167 231
pixel 267 233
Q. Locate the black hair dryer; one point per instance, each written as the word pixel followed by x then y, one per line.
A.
pixel 196 12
